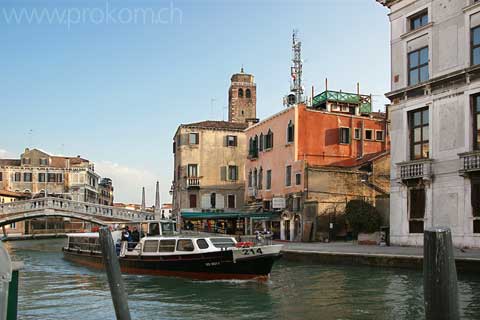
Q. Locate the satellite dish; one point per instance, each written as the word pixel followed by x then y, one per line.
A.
pixel 291 99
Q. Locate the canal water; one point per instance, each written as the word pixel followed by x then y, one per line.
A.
pixel 52 288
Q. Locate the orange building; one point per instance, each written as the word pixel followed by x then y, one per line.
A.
pixel 308 160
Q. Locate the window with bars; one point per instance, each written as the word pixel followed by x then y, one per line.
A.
pixel 418 66
pixel 419 137
pixel 416 209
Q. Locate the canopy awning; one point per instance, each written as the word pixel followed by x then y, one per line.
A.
pixel 230 215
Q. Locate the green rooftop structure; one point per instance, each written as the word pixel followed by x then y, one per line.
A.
pixel 345 99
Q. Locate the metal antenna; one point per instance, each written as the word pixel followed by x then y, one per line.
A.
pixel 296 69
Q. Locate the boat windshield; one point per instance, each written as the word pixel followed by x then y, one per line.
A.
pixel 222 242
pixel 168 228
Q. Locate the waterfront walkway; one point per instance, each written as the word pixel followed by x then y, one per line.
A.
pixel 352 254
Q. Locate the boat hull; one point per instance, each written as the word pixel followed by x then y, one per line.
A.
pixel 205 266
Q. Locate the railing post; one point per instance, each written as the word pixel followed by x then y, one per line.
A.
pixel 112 267
pixel 439 275
pixel 5 278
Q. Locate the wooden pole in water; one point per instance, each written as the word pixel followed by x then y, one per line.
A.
pixel 439 275
pixel 112 266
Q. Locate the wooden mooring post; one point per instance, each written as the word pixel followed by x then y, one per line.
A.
pixel 112 267
pixel 439 275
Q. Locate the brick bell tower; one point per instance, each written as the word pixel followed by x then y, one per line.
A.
pixel 242 98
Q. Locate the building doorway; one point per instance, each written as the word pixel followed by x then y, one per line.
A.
pixel 287 229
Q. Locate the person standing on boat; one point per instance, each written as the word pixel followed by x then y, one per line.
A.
pixel 135 235
pixel 126 234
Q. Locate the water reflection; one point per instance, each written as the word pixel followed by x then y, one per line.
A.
pixel 51 288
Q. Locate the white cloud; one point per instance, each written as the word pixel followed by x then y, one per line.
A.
pixel 5 154
pixel 128 182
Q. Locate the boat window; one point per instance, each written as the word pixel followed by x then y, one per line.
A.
pixel 222 242
pixel 154 230
pixel 167 246
pixel 185 245
pixel 167 228
pixel 150 246
pixel 202 244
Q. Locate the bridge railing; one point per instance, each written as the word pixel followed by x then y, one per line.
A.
pixel 59 204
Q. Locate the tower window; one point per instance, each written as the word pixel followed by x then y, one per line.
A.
pixel 240 93
pixel 290 132
pixel 248 94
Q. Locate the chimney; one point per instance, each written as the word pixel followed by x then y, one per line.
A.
pixel 157 198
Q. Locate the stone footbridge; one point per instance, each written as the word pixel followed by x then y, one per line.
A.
pixel 49 207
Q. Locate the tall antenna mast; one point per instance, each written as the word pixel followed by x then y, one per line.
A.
pixel 296 69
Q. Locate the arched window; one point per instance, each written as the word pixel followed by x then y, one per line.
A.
pixel 260 143
pixel 250 178
pixel 269 140
pixel 240 93
pixel 290 132
pixel 255 178
pixel 248 94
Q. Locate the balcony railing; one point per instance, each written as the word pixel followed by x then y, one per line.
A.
pixel 193 182
pixel 469 162
pixel 416 169
pixel 252 192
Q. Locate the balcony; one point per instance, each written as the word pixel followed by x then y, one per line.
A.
pixel 416 169
pixel 193 183
pixel 469 162
pixel 252 192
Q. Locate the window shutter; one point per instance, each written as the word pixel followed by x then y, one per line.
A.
pixel 219 201
pixel 206 201
pixel 223 173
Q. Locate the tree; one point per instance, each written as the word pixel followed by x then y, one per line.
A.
pixel 362 217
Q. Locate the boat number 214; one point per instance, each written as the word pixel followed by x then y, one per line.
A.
pixel 247 252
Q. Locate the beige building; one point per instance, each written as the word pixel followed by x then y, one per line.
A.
pixel 37 173
pixel 209 159
pixel 209 166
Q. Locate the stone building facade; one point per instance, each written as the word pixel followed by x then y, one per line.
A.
pixel 36 173
pixel 306 162
pixel 209 158
pixel 435 103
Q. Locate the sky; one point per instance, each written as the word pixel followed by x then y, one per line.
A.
pixel 112 80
